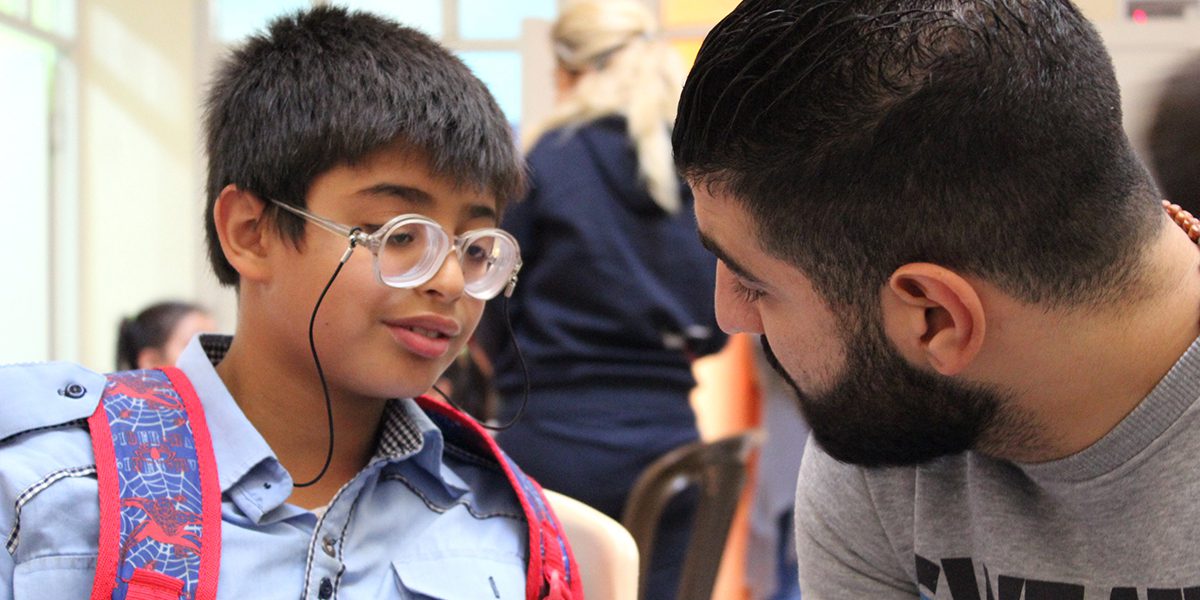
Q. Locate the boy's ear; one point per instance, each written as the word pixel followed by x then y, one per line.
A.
pixel 934 317
pixel 243 231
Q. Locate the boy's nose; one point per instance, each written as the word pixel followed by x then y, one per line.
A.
pixel 448 283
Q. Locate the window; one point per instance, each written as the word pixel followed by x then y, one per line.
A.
pixel 500 70
pixel 37 309
pixel 236 19
pixel 425 15
pixel 492 20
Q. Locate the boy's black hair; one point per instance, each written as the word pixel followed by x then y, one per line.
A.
pixel 326 87
pixel 981 135
pixel 1174 137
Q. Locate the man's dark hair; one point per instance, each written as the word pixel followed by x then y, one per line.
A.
pixel 326 87
pixel 981 135
pixel 1174 137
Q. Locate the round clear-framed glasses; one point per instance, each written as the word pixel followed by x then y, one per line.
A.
pixel 410 249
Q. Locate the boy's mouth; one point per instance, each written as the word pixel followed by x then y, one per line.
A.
pixel 427 336
pixel 429 333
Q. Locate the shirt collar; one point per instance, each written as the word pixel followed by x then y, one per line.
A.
pixel 239 448
pixel 237 445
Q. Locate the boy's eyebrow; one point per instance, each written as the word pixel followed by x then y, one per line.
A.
pixel 422 198
pixel 408 193
pixel 712 246
pixel 481 211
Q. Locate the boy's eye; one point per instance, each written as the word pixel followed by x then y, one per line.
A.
pixel 400 238
pixel 475 253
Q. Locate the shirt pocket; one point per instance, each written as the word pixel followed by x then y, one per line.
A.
pixel 52 577
pixel 460 577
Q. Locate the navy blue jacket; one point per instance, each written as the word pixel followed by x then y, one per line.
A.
pixel 614 291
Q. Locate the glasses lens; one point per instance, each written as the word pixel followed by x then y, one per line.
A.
pixel 489 257
pixel 411 253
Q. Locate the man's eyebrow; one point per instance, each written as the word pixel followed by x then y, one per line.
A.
pixel 422 198
pixel 733 265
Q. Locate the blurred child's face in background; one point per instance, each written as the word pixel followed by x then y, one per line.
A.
pixel 375 341
pixel 191 324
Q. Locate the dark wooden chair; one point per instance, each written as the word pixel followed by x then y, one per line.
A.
pixel 717 470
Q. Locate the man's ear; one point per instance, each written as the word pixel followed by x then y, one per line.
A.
pixel 934 316
pixel 243 231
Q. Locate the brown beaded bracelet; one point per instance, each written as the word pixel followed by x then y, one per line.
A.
pixel 1183 218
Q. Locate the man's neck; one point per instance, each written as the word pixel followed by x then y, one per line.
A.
pixel 281 396
pixel 1077 375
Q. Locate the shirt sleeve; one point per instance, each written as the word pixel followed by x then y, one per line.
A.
pixel 842 547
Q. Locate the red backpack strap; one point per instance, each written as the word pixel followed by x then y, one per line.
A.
pixel 552 573
pixel 160 501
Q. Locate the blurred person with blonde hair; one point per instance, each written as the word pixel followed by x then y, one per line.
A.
pixel 615 298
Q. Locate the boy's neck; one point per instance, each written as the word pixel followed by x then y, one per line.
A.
pixel 284 402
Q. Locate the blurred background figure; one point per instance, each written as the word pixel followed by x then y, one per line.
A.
pixel 1173 140
pixel 615 296
pixel 466 385
pixel 771 564
pixel 156 336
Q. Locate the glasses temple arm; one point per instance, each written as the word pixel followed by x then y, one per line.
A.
pixel 321 222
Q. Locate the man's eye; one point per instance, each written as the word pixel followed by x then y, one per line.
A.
pixel 747 294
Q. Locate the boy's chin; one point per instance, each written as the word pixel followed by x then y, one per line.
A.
pixel 410 386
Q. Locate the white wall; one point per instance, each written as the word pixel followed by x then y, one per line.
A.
pixel 140 181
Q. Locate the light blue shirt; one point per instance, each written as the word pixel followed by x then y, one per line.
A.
pixel 422 520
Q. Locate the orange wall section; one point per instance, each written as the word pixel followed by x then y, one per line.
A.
pixel 676 13
pixel 687 50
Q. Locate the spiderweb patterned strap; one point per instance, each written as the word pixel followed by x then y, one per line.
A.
pixel 160 501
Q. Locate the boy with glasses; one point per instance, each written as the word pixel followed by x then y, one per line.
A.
pixel 331 480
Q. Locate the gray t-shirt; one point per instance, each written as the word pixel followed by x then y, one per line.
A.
pixel 1118 521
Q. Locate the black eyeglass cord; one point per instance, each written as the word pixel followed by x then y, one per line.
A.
pixel 524 372
pixel 312 346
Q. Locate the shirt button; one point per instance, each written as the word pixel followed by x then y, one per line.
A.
pixel 326 591
pixel 74 390
pixel 329 546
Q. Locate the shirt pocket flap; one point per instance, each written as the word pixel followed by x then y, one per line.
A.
pixel 54 577
pixel 457 577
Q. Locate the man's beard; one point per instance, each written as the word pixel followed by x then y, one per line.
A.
pixel 883 412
